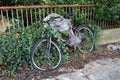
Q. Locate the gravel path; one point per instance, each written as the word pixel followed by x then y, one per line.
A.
pixel 103 69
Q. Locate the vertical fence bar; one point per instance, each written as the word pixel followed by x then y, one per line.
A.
pixel 22 17
pixel 93 15
pixel 82 11
pixel 76 12
pixel 40 14
pixel 86 14
pixel 69 10
pixel 90 9
pixel 2 22
pixel 79 11
pixel 9 25
pixel 2 17
pixel 17 18
pixel 13 23
pixel 43 13
pixel 55 10
pixel 51 11
pixel 47 11
pixel 90 13
pixel 107 23
pixel 66 11
pixel 111 23
pixel 31 19
pixel 27 17
pixel 35 15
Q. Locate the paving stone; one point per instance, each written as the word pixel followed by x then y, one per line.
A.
pixel 104 69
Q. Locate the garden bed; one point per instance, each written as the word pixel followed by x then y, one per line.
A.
pixel 75 63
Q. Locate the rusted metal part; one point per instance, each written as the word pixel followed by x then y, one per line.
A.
pixel 45 6
pixel 26 15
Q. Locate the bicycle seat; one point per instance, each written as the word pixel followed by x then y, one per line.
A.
pixel 71 14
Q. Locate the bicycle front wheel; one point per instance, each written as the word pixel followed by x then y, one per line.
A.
pixel 87 39
pixel 46 55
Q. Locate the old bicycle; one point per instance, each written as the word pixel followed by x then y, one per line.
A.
pixel 46 54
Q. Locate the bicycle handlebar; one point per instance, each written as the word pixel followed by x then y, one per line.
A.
pixel 72 14
pixel 51 19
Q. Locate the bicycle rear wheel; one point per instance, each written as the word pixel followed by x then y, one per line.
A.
pixel 87 39
pixel 46 55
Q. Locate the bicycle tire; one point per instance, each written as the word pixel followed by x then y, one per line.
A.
pixel 89 40
pixel 41 55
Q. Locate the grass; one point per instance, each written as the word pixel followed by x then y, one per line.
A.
pixel 110 35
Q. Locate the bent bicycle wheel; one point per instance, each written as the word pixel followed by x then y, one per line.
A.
pixel 87 39
pixel 46 55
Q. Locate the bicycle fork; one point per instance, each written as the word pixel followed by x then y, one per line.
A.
pixel 48 46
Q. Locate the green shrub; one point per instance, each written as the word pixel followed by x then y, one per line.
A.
pixel 16 45
pixel 107 10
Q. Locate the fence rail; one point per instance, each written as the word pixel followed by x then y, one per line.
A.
pixel 25 15
pixel 45 6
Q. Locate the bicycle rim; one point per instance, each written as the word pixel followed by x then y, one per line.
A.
pixel 87 36
pixel 45 60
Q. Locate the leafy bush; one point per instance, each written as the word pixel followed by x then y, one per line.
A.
pixel 107 10
pixel 15 50
pixel 16 45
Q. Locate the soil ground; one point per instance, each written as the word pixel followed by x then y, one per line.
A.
pixel 76 62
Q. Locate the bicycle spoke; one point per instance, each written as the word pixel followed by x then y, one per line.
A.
pixel 46 55
pixel 87 42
